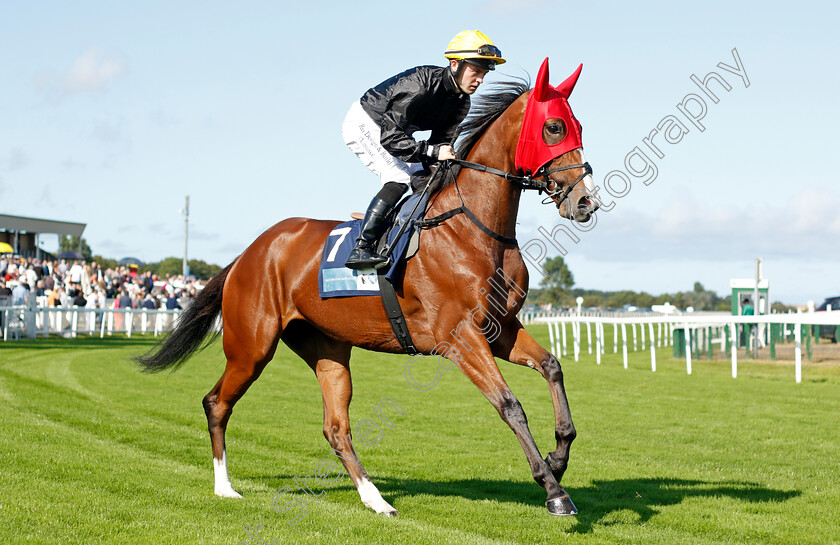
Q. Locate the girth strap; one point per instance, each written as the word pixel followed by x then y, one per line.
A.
pixel 395 313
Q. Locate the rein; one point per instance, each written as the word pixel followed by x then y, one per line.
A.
pixel 527 181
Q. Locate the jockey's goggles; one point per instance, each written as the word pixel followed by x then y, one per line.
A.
pixel 485 50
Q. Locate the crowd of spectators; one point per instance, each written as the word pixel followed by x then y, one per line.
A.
pixel 76 283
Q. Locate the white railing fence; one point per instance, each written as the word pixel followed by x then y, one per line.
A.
pixel 662 330
pixel 565 330
pixel 22 321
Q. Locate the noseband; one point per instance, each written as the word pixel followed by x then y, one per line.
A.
pixel 587 170
pixel 533 181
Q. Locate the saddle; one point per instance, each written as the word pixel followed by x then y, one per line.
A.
pixel 336 280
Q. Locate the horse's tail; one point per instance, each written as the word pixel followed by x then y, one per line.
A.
pixel 194 324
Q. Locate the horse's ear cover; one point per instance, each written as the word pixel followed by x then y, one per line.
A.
pixel 546 102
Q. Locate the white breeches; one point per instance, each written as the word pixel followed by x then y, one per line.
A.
pixel 361 135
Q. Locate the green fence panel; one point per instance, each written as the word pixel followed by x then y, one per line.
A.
pixel 679 342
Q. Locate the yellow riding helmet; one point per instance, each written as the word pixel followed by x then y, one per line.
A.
pixel 475 47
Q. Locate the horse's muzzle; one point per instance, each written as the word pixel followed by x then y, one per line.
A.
pixel 585 207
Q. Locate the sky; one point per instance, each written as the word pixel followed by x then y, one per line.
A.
pixel 111 113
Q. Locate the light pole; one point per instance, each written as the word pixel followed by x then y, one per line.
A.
pixel 186 268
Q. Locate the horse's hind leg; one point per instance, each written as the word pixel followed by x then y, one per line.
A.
pixel 248 349
pixel 330 360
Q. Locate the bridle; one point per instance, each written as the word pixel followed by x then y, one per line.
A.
pixel 539 181
pixel 533 181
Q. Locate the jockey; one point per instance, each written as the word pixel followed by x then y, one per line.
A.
pixel 379 128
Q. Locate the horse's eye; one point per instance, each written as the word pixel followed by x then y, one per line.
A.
pixel 554 130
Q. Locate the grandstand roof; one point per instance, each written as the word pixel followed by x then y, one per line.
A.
pixel 36 225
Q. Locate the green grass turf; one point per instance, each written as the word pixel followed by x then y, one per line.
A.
pixel 93 451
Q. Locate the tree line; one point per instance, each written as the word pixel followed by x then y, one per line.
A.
pixel 699 299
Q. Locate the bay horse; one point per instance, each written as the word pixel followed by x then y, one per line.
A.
pixel 467 278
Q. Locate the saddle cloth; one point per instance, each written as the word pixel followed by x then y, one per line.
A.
pixel 336 280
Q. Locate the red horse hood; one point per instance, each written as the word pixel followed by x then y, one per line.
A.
pixel 544 103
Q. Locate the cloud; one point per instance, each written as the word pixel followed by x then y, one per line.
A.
pixel 114 135
pixel 71 163
pixel 810 212
pixel 92 71
pixel 162 119
pixel 108 133
pixel 235 248
pixel 194 234
pixel 111 247
pixel 813 211
pixel 202 235
pixel 686 227
pixel 15 160
pixel 45 199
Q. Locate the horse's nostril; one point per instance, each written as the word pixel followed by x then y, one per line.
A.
pixel 584 202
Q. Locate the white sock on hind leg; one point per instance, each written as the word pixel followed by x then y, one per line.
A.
pixel 223 487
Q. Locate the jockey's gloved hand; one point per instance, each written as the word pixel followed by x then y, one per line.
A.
pixel 440 152
pixel 446 152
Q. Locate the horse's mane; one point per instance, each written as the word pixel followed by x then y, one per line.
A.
pixel 484 110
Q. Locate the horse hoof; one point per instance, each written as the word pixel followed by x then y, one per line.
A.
pixel 230 494
pixel 561 506
pixel 389 514
pixel 227 492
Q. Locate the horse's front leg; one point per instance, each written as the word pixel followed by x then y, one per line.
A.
pixel 517 346
pixel 478 365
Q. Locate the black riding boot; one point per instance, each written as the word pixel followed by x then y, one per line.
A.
pixel 364 255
